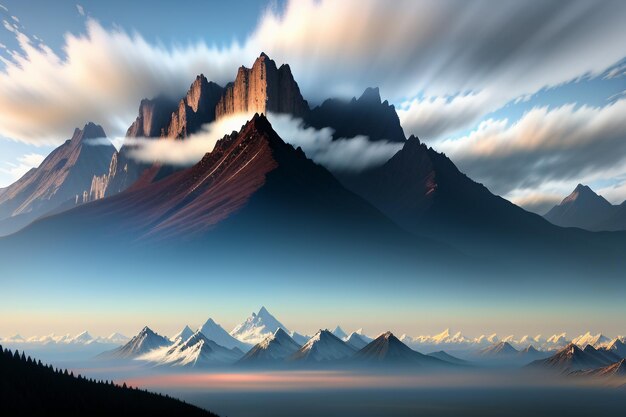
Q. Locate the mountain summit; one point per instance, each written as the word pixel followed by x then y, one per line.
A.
pixel 263 88
pixel 367 116
pixel 62 180
pixel 583 208
pixel 258 327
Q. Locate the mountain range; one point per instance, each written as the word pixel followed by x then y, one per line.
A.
pixel 585 209
pixel 573 358
pixel 255 194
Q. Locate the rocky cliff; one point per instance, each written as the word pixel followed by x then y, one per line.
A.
pixel 196 109
pixel 261 89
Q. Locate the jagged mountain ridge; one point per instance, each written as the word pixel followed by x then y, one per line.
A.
pixel 367 115
pixel 262 88
pixel 573 358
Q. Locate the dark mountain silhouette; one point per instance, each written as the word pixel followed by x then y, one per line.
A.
pixel 29 388
pixel 425 193
pixel 366 115
pixel 531 354
pixel 617 369
pixel 573 358
pixel 499 350
pixel 582 208
pixel 323 347
pixel 63 179
pixel 446 357
pixel 276 347
pixel 388 349
pixel 617 346
pixel 608 355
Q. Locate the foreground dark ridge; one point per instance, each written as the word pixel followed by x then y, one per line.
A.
pixel 29 388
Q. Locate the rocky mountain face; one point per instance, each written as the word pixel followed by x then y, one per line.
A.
pixel 261 89
pixel 253 182
pixel 151 122
pixel 367 115
pixel 196 109
pixel 63 179
pixel 573 358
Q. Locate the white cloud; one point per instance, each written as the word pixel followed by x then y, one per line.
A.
pixel 185 152
pixel 436 117
pixel 24 163
pixel 103 79
pixel 4 8
pixel 434 48
pixel 546 152
pixel 343 154
pixel 15 18
pixel 339 155
pixel 80 9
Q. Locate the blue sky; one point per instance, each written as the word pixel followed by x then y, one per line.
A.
pixel 473 79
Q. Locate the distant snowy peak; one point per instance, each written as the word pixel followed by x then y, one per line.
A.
pixel 145 341
pixel 299 338
pixel 340 333
pixel 597 340
pixel 257 327
pixel 357 341
pixel 82 338
pixel 196 351
pixel 115 338
pixel 322 347
pixel 183 335
pixel 216 333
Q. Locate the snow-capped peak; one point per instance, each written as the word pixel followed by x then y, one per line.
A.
pixel 184 334
pixel 257 327
pixel 216 333
pixel 340 333
pixel 324 346
pixel 597 340
pixel 83 337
